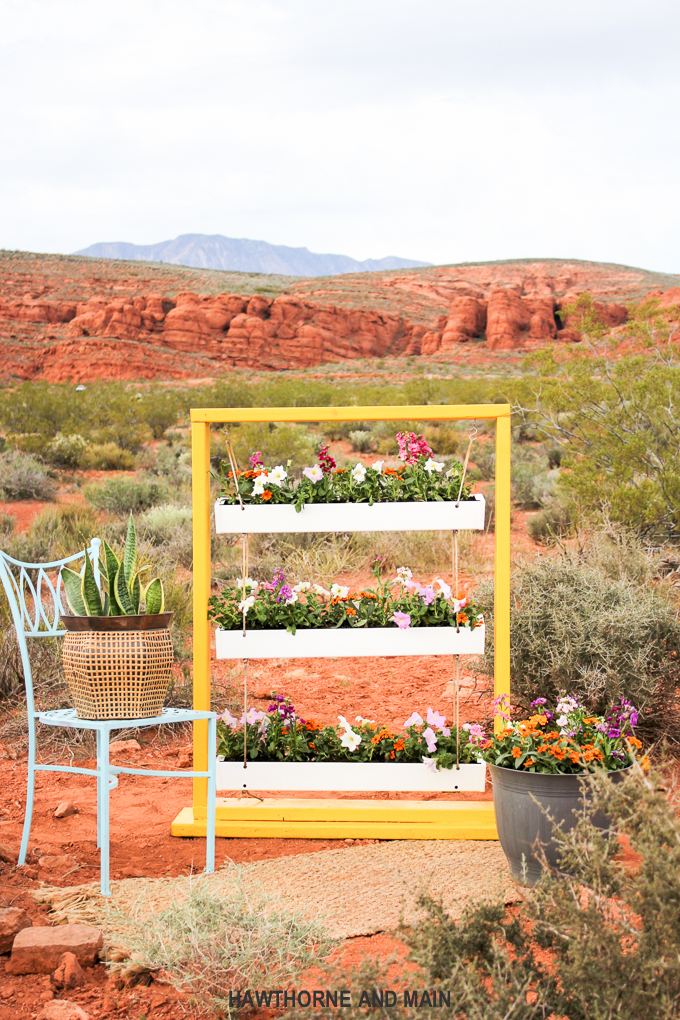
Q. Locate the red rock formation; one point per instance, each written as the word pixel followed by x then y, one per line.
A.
pixel 466 321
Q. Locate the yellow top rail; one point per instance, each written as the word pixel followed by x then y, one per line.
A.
pixel 420 412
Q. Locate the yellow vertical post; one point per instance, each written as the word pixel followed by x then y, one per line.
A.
pixel 200 454
pixel 502 564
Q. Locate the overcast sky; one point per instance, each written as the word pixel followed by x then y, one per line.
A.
pixel 439 130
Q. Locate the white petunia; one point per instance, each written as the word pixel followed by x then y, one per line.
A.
pixel 302 586
pixel 248 583
pixel 433 465
pixel 338 592
pixel 350 740
pixel 343 722
pixel 360 719
pixel 293 599
pixel 315 474
pixel 444 588
pixel 246 604
pixel 405 572
pixel 431 764
pixel 378 466
pixel 413 720
pixel 359 473
pixel 320 590
pixel 260 485
pixel 277 475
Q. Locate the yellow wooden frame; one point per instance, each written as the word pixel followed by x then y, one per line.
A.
pixel 338 818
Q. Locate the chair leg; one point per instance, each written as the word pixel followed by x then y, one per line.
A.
pixel 99 788
pixel 103 813
pixel 212 785
pixel 30 792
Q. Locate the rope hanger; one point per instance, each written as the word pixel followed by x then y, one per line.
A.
pixel 454 571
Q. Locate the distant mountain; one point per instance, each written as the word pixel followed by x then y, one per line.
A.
pixel 213 251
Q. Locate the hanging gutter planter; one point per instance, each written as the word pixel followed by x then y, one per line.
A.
pixel 348 642
pixel 437 515
pixel 397 777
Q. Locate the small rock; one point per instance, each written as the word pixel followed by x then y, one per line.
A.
pixel 132 873
pixel 7 855
pixel 62 1009
pixel 12 921
pixel 184 761
pixel 118 746
pixel 28 872
pixel 56 865
pixel 69 973
pixel 349 841
pixel 39 950
pixel 66 808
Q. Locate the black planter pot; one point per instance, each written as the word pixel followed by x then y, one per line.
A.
pixel 520 800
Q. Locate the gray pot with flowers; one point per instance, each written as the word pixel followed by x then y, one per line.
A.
pixel 539 768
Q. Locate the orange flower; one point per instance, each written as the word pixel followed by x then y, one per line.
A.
pixel 266 495
pixel 340 471
pixel 375 739
pixel 399 746
pixel 312 747
pixel 391 754
pixel 635 742
pixel 529 762
pixel 644 763
pixel 516 752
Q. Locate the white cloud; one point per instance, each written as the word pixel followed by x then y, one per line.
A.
pixel 433 129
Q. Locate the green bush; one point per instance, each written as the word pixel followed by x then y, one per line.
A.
pixel 552 524
pixel 174 463
pixel 107 457
pixel 532 484
pixel 126 495
pixel 24 477
pixel 7 524
pixel 277 443
pixel 169 527
pixel 603 637
pixel 66 450
pixel 362 442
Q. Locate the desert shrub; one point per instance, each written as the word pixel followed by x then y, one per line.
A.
pixel 618 425
pixel 58 531
pixel 126 495
pixel 532 484
pixel 574 628
pixel 212 943
pixel 169 526
pixel 278 444
pixel 483 457
pixel 66 450
pixel 107 457
pixel 7 524
pixel 174 463
pixel 553 523
pixel 24 477
pixel 362 442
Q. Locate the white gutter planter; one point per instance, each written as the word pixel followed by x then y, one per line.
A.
pixel 348 642
pixel 356 776
pixel 468 515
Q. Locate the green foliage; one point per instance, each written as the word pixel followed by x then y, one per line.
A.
pixel 124 591
pixel 277 443
pixel 575 628
pixel 169 528
pixel 599 941
pixel 67 451
pixel 362 442
pixel 6 525
pixel 106 457
pixel 583 316
pixel 213 942
pixel 618 424
pixel 126 495
pixel 552 524
pixel 24 477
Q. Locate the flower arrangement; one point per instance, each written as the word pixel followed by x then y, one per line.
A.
pixel 418 479
pixel 402 602
pixel 566 741
pixel 279 734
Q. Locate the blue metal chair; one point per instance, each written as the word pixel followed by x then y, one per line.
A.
pixel 36 607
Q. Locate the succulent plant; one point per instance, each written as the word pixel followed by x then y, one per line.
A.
pixel 125 591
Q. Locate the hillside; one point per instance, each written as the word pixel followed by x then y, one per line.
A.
pixel 72 317
pixel 213 251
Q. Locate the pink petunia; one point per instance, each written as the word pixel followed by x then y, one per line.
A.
pixel 430 739
pixel 435 719
pixel 402 620
pixel 413 720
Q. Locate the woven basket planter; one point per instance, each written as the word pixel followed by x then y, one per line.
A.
pixel 118 667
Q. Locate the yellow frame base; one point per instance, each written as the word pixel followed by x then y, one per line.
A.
pixel 342 819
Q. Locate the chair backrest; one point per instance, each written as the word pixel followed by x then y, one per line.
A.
pixel 35 600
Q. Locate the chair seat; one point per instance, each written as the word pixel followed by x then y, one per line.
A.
pixel 69 717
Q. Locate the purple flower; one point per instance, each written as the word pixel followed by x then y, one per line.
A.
pixel 539 701
pixel 284 593
pixel 402 620
pixel 426 593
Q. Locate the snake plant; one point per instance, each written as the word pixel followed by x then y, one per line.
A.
pixel 125 590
